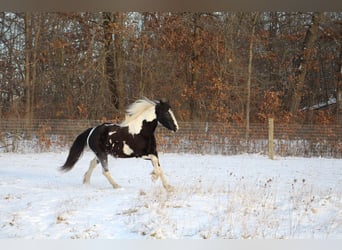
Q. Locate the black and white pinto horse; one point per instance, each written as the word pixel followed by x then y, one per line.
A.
pixel 134 137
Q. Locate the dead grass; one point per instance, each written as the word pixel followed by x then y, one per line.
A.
pixel 242 209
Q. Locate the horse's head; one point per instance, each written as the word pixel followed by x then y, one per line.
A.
pixel 165 115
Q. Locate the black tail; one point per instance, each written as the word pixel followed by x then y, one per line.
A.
pixel 76 150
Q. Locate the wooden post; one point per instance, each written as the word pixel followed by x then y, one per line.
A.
pixel 270 138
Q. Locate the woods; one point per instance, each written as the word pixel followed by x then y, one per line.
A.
pixel 234 67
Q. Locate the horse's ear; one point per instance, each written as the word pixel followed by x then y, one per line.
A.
pixel 164 100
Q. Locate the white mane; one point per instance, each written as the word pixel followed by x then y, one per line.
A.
pixel 142 109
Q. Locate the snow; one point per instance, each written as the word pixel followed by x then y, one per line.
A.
pixel 236 197
pixel 332 100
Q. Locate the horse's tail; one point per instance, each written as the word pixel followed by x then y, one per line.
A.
pixel 76 150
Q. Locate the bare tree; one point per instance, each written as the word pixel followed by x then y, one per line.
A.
pixel 302 60
pixel 255 17
pixel 339 84
pixel 28 45
pixel 113 24
pixel 222 66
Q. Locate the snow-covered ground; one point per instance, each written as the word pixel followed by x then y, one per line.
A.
pixel 244 196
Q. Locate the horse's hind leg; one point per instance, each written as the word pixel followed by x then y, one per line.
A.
pixel 104 162
pixel 87 175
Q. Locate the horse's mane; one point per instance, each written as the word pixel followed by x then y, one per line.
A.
pixel 136 109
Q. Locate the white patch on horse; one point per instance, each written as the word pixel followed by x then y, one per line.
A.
pixel 91 131
pixel 126 149
pixel 111 133
pixel 136 113
pixel 174 118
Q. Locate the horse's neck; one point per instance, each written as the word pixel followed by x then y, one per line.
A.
pixel 148 128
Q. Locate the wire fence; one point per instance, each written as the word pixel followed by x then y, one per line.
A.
pixel 193 137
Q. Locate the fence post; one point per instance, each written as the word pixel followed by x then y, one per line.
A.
pixel 270 138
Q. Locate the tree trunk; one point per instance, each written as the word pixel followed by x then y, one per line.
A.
pixel 194 65
pixel 27 84
pixel 339 88
pixel 302 61
pixel 249 78
pixel 119 59
pixel 112 25
pixel 35 49
pixel 273 76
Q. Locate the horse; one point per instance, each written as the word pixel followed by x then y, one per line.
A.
pixel 133 137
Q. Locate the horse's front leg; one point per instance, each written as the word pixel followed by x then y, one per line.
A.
pixel 104 162
pixel 158 172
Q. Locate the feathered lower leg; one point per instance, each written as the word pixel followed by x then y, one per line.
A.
pixel 87 175
pixel 158 172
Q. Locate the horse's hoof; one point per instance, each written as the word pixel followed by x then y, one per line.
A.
pixel 169 188
pixel 117 186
